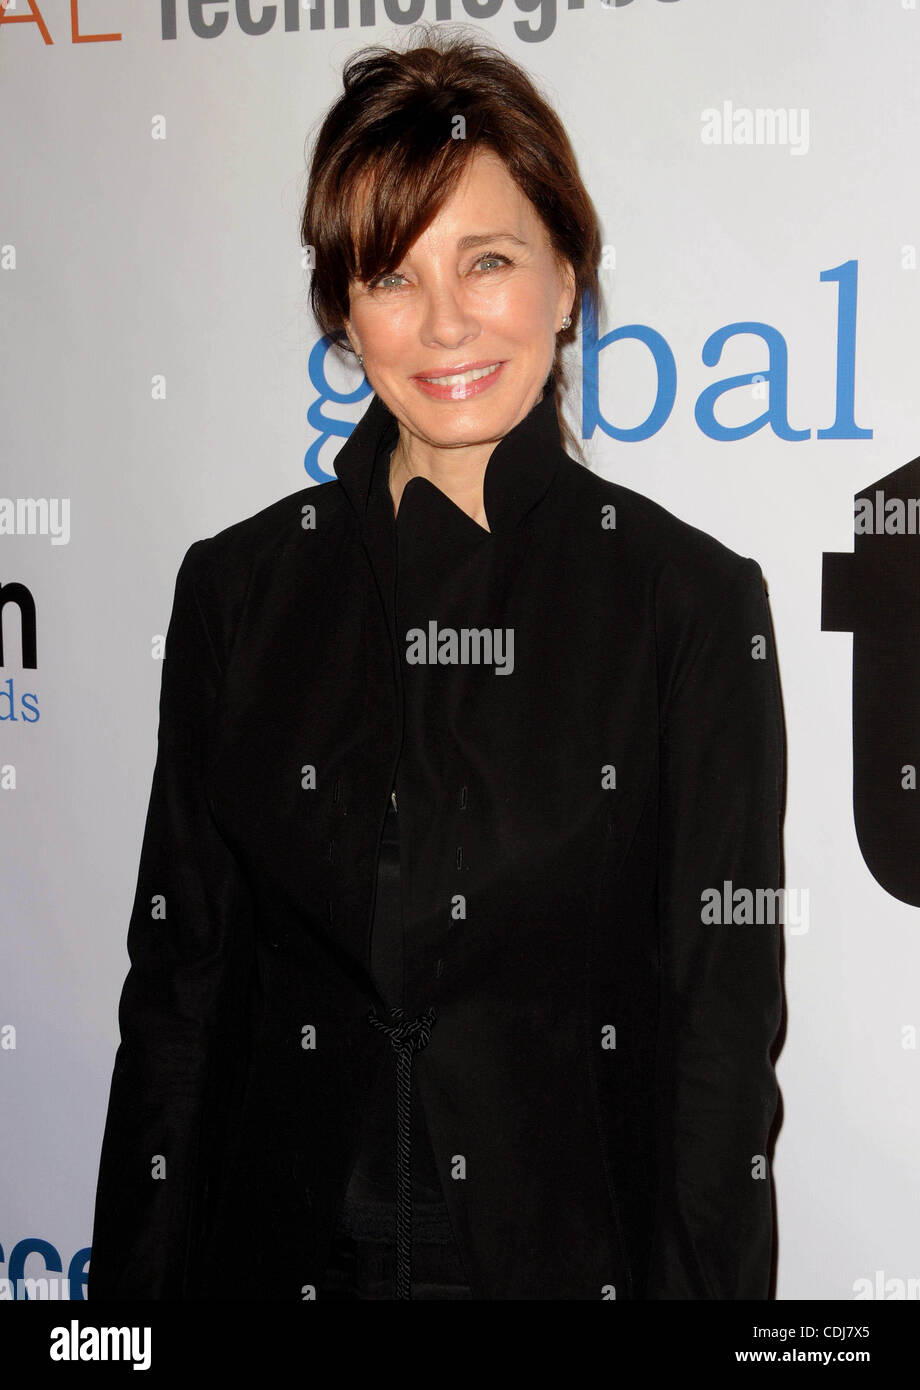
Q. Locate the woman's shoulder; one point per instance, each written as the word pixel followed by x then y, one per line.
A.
pixel 274 526
pixel 684 563
pixel 220 568
pixel 698 593
pixel 261 537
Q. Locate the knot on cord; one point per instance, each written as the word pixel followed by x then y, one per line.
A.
pixel 406 1035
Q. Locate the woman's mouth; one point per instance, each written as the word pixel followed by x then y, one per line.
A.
pixel 459 386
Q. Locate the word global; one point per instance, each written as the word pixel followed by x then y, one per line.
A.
pixel 767 381
pixel 466 646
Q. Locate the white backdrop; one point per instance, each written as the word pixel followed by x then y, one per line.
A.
pixel 155 388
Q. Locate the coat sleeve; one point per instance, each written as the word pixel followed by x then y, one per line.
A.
pixel 188 928
pixel 723 769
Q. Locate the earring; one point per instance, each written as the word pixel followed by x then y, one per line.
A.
pixel 361 359
pixel 566 322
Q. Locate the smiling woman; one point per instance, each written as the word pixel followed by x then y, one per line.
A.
pixel 433 263
pixel 422 1000
pixel 459 341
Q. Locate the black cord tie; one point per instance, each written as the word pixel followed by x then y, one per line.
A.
pixel 407 1036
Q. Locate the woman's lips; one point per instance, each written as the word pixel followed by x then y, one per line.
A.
pixel 460 386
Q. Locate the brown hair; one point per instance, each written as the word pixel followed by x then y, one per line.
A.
pixel 394 129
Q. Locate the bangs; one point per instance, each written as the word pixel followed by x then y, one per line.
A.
pixel 410 185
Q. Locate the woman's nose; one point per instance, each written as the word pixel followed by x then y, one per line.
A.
pixel 446 320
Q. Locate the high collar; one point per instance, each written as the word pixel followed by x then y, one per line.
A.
pixel 519 471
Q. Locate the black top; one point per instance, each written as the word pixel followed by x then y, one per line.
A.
pixel 591 1166
pixel 369 1210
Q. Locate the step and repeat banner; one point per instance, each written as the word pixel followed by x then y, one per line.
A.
pixel 754 369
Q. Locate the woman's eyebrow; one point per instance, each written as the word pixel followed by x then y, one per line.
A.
pixel 466 242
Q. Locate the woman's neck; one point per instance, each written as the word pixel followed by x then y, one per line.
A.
pixel 458 473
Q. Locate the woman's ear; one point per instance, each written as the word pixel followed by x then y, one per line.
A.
pixel 349 333
pixel 571 286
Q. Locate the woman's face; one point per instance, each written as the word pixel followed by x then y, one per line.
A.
pixel 479 289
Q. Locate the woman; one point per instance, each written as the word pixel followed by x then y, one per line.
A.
pixel 426 998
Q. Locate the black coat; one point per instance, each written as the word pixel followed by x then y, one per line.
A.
pixel 598 1084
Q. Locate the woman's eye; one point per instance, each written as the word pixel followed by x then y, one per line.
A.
pixel 374 284
pixel 380 282
pixel 493 256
